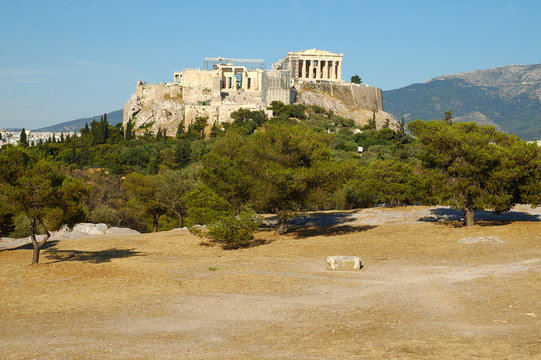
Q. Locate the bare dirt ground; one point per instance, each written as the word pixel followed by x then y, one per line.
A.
pixel 422 294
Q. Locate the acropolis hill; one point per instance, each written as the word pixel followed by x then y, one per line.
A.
pixel 311 77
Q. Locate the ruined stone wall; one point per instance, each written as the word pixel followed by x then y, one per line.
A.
pixel 148 93
pixel 200 87
pixel 276 87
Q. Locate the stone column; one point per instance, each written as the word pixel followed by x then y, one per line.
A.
pixel 318 69
pixel 311 74
pixel 303 67
pixel 339 70
pixel 244 82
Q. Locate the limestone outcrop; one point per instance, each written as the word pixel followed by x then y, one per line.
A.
pixel 357 102
pixel 154 107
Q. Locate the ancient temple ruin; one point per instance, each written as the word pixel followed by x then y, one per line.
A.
pixel 312 65
pixel 225 85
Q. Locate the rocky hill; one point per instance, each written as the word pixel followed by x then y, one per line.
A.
pixel 354 102
pixel 508 97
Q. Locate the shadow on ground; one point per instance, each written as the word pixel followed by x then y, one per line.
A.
pixel 482 217
pixel 29 246
pixel 305 232
pixel 95 257
pixel 313 219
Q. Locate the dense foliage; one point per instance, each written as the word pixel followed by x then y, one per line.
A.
pixel 302 158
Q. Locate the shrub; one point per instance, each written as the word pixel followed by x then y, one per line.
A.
pixel 232 232
pixel 205 206
pixel 21 227
pixel 104 214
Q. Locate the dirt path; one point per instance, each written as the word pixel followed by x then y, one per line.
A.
pixel 421 295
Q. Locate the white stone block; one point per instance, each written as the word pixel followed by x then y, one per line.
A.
pixel 343 263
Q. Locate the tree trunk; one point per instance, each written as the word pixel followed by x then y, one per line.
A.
pixel 155 224
pixel 37 248
pixel 469 216
pixel 179 215
pixel 35 243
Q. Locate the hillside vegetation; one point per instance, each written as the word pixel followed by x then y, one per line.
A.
pixel 303 158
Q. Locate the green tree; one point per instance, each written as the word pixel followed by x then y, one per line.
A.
pixel 448 118
pixel 476 166
pixel 180 129
pixel 172 186
pixel 381 182
pixel 141 191
pixel 205 206
pixel 47 197
pixel 274 170
pixel 183 152
pixel 356 79
pixel 23 141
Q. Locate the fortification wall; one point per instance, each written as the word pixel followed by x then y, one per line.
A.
pixel 276 87
pixel 356 102
pixel 149 93
pixel 351 95
pixel 200 87
pixel 367 97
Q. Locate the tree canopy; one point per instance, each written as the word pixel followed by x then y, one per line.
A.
pixel 476 167
pixel 36 188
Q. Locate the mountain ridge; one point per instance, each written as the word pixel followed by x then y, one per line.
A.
pixel 508 97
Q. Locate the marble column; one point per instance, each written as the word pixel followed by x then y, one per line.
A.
pixel 303 68
pixel 339 70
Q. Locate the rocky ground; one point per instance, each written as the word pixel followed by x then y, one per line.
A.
pixel 429 289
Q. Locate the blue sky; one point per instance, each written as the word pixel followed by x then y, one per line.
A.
pixel 63 60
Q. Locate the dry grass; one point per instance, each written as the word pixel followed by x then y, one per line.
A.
pixel 421 295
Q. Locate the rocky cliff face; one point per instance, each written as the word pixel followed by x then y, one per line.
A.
pixel 508 97
pixel 359 106
pixel 165 106
pixel 153 114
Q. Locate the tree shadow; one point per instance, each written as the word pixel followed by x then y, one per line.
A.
pixel 336 230
pixel 320 219
pixel 94 257
pixel 450 216
pixel 29 246
pixel 234 246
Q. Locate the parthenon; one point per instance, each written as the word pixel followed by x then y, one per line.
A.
pixel 312 65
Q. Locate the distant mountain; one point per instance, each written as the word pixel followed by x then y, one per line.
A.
pixel 113 118
pixel 508 97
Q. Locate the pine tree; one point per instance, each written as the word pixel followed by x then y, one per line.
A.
pixel 448 118
pixel 85 130
pixel 180 129
pixel 23 141
pixel 372 122
pixel 129 131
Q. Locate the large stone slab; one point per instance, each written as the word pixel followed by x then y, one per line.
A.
pixel 343 263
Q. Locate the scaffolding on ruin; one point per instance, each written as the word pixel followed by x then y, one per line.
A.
pixel 249 64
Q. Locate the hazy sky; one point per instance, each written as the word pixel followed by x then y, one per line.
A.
pixel 63 60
